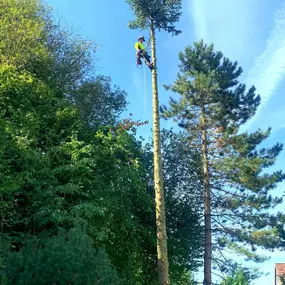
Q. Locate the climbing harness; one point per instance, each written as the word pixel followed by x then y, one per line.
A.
pixel 142 54
pixel 146 58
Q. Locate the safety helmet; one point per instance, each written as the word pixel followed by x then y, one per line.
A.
pixel 141 37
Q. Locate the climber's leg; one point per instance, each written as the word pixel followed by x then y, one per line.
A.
pixel 147 60
pixel 138 55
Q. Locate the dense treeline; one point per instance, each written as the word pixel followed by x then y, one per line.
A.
pixel 76 186
pixel 76 202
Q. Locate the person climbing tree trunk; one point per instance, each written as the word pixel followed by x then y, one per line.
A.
pixel 162 255
pixel 161 15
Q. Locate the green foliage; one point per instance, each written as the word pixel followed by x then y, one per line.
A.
pixel 282 279
pixel 70 61
pixel 62 177
pixel 163 13
pixel 240 184
pixel 31 40
pixel 239 277
pixel 208 77
pixel 55 168
pixel 183 218
pixel 185 278
pixel 98 102
pixel 21 28
pixel 67 258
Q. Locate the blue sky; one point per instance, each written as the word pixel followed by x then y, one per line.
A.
pixel 251 32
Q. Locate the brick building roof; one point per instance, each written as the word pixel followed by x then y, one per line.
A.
pixel 280 269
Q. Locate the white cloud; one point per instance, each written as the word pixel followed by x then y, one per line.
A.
pixel 228 24
pixel 268 70
pixel 196 9
pixel 232 27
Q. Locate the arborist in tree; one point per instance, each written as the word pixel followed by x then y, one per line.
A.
pixel 141 53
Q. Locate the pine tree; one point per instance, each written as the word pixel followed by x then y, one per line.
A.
pixel 212 107
pixel 67 258
pixel 157 15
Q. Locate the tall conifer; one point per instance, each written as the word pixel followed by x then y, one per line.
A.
pixel 158 15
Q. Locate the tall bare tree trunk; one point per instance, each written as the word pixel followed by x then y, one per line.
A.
pixel 162 255
pixel 207 204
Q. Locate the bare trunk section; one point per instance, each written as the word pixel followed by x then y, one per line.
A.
pixel 207 205
pixel 162 255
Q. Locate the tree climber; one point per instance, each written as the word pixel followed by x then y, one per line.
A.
pixel 141 53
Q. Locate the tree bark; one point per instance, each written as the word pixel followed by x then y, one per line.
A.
pixel 207 204
pixel 162 255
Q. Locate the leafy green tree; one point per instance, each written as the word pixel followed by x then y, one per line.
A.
pixel 98 102
pixel 63 178
pixel 31 40
pixel 21 29
pixel 55 168
pixel 71 58
pixel 67 258
pixel 157 15
pixel 185 278
pixel 238 277
pixel 212 107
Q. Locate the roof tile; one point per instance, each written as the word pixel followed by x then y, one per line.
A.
pixel 280 268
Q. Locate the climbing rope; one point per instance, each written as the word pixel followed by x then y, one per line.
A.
pixel 145 98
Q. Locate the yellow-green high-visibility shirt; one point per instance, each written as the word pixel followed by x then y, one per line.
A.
pixel 139 46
